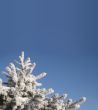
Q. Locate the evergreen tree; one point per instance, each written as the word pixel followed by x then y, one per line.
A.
pixel 22 91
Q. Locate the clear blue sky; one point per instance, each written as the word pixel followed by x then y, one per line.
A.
pixel 61 36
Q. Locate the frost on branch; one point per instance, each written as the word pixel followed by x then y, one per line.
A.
pixel 22 91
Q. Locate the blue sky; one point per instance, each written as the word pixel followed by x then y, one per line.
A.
pixel 61 37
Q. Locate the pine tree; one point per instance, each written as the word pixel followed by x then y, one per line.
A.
pixel 22 91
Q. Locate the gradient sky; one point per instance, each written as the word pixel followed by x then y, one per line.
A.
pixel 61 36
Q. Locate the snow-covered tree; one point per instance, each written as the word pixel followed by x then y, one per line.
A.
pixel 22 90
